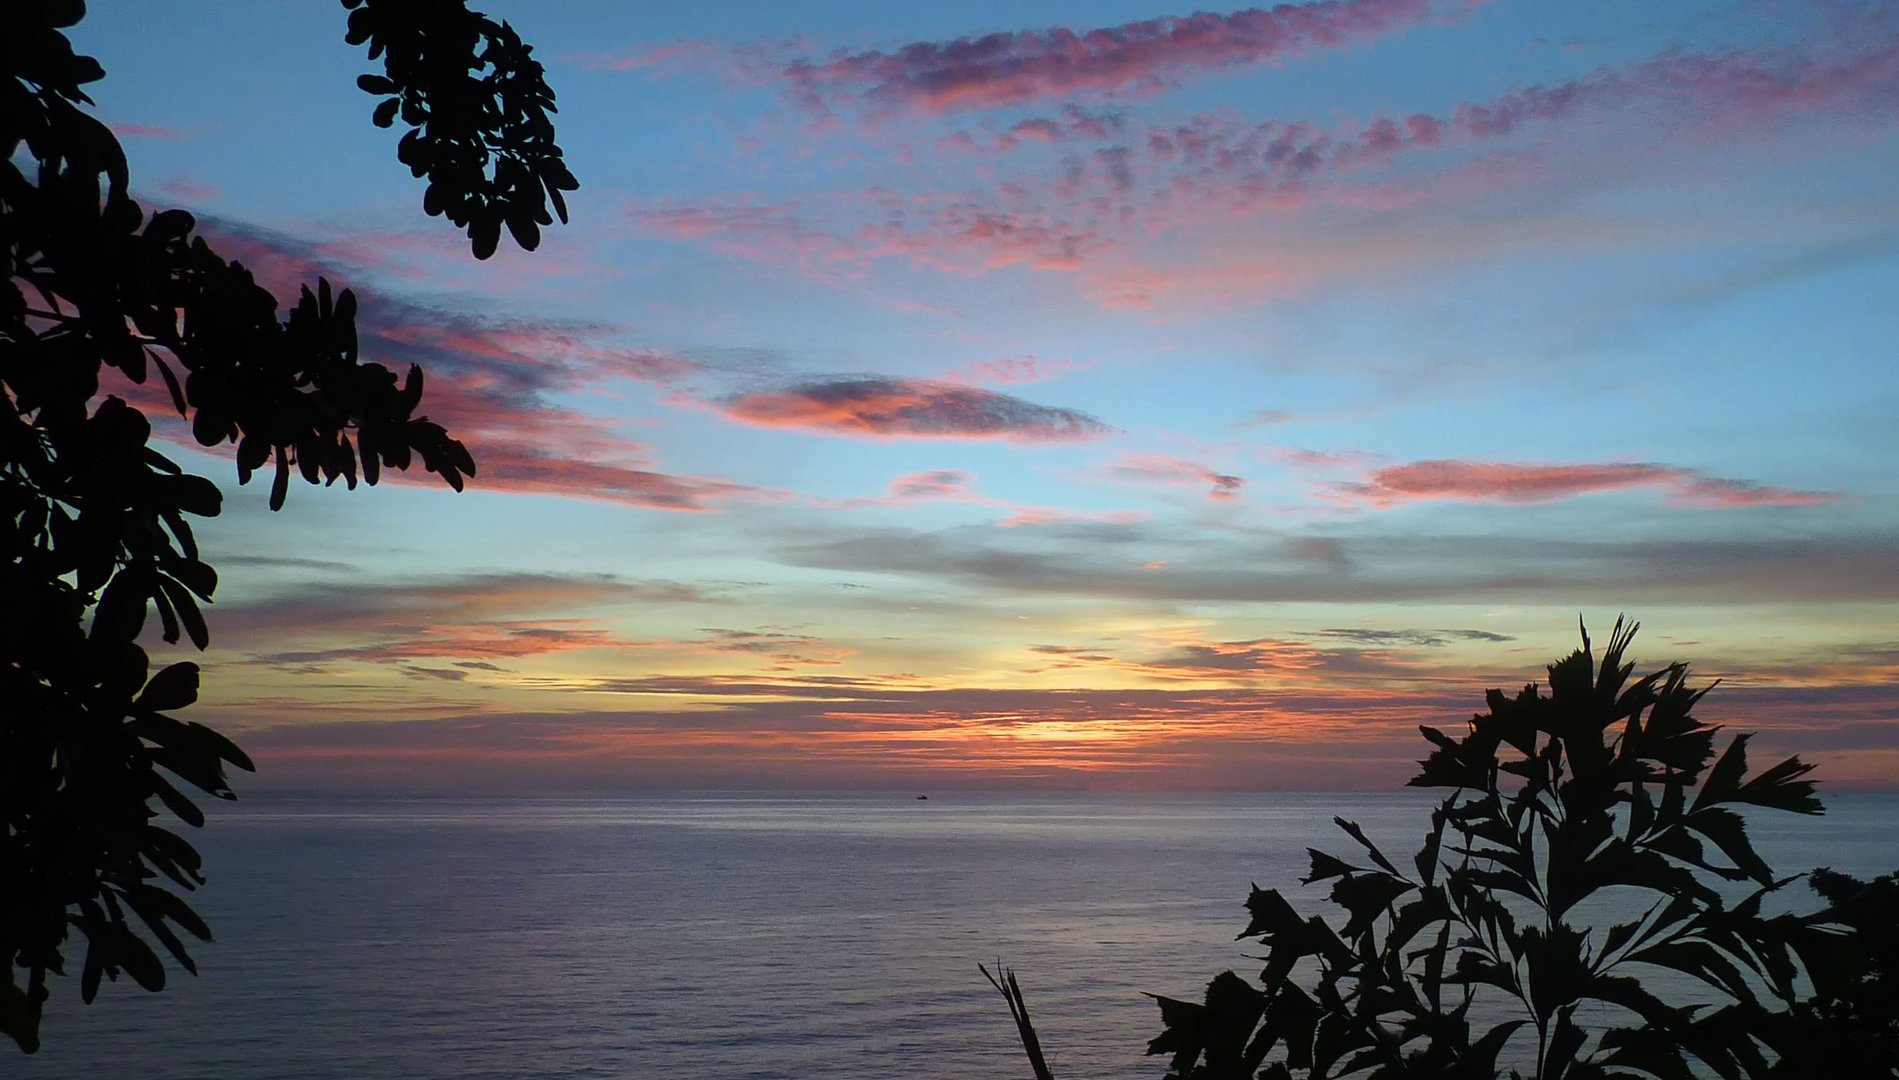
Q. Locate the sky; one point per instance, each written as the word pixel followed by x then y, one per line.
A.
pixel 1105 396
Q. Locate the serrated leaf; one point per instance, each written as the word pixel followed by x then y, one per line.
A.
pixel 1781 788
pixel 1351 829
pixel 1725 778
pixel 1325 866
pixel 1729 833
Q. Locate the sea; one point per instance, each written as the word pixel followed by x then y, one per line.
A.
pixel 730 936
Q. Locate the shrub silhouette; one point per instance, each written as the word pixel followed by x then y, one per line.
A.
pixel 1601 799
pixel 96 518
pixel 1851 1027
pixel 1601 790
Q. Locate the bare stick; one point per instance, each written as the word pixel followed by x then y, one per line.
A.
pixel 1019 1011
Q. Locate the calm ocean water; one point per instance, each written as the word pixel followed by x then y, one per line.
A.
pixel 725 937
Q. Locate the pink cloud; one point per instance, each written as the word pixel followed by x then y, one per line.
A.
pixel 1012 68
pixel 528 468
pixel 1071 122
pixel 1124 283
pixel 478 618
pixel 1031 516
pixel 1014 369
pixel 439 257
pixel 1277 160
pixel 192 191
pixel 733 217
pixel 955 235
pixel 500 640
pixel 476 645
pixel 1301 458
pixel 281 265
pixel 489 384
pixel 144 131
pixel 938 484
pixel 1169 471
pixel 1509 482
pixel 1212 174
pixel 553 348
pixel 524 445
pixel 960 142
pixel 965 237
pixel 654 58
pixel 1122 213
pixel 952 485
pixel 1039 130
pixel 874 407
pixel 1695 490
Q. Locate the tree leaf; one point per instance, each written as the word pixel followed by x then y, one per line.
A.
pixel 1326 866
pixel 1781 788
pixel 1724 780
pixel 1729 833
pixel 1351 828
pixel 174 687
pixel 188 613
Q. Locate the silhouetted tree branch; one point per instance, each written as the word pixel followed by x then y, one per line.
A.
pixel 477 110
pixel 97 530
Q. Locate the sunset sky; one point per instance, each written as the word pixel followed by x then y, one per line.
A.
pixel 1067 394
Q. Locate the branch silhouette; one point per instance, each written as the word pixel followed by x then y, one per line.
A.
pixel 99 531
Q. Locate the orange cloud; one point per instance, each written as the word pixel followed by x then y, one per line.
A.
pixel 1302 719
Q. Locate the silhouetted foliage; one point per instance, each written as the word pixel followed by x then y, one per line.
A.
pixel 97 519
pixel 476 107
pixel 1598 797
pixel 1011 992
pixel 1851 1025
pixel 1590 842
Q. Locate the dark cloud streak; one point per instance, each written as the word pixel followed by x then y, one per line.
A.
pixel 1014 68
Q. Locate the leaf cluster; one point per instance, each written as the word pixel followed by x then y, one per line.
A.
pixel 476 106
pixel 98 529
pixel 1604 794
pixel 1851 1024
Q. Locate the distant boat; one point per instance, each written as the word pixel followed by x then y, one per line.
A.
pixel 922 796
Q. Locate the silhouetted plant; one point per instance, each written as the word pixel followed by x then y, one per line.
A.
pixel 1596 796
pixel 1850 1027
pixel 1011 991
pixel 476 107
pixel 97 518
pixel 1564 809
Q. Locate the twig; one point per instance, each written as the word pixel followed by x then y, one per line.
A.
pixel 1019 1011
